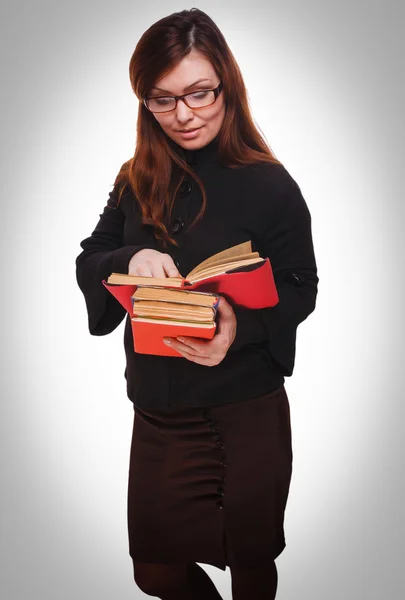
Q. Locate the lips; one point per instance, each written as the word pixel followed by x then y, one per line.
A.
pixel 188 130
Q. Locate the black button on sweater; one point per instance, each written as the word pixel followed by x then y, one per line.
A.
pixel 261 203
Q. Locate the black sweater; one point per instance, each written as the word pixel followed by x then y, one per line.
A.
pixel 261 203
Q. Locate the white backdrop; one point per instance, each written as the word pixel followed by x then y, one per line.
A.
pixel 326 88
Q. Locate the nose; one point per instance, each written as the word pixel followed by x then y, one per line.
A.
pixel 183 112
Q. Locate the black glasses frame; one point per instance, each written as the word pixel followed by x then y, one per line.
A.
pixel 216 91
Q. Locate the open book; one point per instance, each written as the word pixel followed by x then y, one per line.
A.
pixel 240 275
pixel 218 264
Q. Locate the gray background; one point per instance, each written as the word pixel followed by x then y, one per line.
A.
pixel 326 87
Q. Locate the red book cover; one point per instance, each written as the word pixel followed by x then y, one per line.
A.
pixel 148 337
pixel 251 287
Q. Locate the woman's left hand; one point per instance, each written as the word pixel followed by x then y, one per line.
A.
pixel 209 352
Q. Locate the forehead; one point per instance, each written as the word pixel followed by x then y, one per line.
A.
pixel 191 68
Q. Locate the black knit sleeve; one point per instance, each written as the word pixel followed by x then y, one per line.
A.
pixel 287 241
pixel 104 253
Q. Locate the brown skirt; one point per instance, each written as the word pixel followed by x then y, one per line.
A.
pixel 210 484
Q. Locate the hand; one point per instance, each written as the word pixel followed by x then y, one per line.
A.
pixel 152 263
pixel 209 352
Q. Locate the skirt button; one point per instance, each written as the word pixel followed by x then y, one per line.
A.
pixel 219 504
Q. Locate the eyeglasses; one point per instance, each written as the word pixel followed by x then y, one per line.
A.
pixel 200 99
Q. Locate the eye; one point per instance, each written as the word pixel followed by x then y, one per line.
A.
pixel 162 100
pixel 201 94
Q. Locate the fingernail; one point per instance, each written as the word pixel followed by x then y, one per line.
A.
pixel 168 342
pixel 181 339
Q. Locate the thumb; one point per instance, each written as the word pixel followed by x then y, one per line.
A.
pixel 224 311
pixel 223 306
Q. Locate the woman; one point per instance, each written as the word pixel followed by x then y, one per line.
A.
pixel 211 455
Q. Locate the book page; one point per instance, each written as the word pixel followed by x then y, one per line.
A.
pixel 226 261
pixel 198 325
pixel 122 279
pixel 229 253
pixel 209 272
pixel 167 310
pixel 160 294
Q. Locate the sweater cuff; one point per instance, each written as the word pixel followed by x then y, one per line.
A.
pixel 250 328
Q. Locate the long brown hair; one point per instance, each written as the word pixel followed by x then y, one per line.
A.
pixel 158 51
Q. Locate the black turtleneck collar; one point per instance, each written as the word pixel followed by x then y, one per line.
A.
pixel 207 155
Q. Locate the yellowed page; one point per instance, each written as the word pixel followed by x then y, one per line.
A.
pixel 221 269
pixel 121 279
pixel 226 261
pixel 166 310
pixel 233 252
pixel 169 295
pixel 198 325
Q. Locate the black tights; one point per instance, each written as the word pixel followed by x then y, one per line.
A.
pixel 191 582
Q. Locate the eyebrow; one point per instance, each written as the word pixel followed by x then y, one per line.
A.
pixel 186 88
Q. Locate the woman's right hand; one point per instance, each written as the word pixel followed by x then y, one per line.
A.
pixel 152 263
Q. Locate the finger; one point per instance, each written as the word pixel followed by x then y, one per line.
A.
pixel 177 345
pixel 159 272
pixel 158 269
pixel 147 268
pixel 144 270
pixel 169 266
pixel 198 346
pixel 196 358
pixel 206 350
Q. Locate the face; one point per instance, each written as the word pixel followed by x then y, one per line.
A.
pixel 207 120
